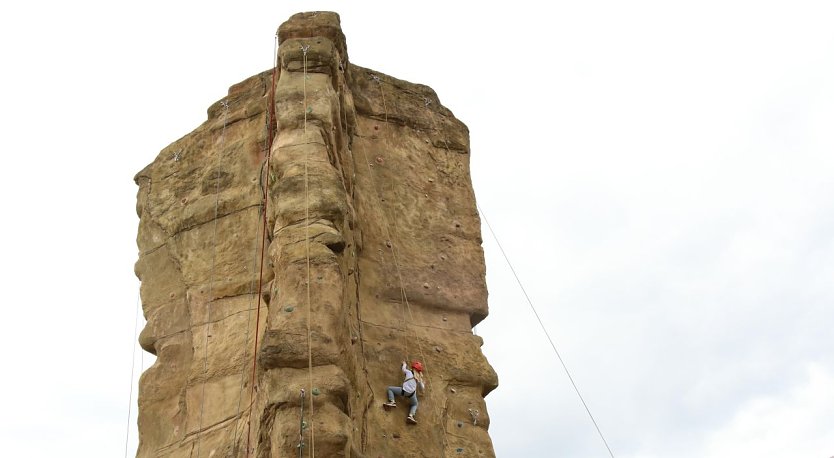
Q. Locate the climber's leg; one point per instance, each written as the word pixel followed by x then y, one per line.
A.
pixel 393 390
pixel 413 402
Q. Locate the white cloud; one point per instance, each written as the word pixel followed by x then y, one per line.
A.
pixel 798 423
pixel 659 173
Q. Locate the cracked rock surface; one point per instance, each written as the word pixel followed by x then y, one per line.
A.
pixel 371 256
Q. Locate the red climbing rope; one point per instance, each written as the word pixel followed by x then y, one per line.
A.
pixel 264 238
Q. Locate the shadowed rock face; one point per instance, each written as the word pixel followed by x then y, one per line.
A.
pixel 369 203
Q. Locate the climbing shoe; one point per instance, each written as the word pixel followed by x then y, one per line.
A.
pixel 411 419
pixel 390 404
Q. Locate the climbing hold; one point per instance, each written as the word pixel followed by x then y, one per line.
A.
pixel 316 392
pixel 289 308
pixel 438 349
pixel 388 243
pixel 453 390
pixel 426 285
pixel 474 413
pixel 460 424
pixel 309 109
pixel 459 449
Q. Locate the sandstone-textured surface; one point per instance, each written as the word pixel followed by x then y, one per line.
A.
pixel 372 256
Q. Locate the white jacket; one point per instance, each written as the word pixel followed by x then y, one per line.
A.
pixel 411 380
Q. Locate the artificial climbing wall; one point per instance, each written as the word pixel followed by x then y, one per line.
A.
pixel 343 196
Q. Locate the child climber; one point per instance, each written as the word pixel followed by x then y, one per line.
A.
pixel 408 389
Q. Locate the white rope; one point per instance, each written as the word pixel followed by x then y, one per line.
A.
pixel 307 251
pixel 553 345
pixel 132 367
pixel 225 105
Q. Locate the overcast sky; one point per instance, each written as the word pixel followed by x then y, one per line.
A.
pixel 661 175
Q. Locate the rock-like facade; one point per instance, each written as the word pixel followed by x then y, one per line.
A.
pixel 343 195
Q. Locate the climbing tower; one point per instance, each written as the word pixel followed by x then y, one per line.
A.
pixel 316 231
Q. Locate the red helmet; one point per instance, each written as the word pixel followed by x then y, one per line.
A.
pixel 417 365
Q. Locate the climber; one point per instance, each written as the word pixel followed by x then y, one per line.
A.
pixel 408 389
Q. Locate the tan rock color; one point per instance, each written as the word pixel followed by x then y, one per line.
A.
pixel 369 203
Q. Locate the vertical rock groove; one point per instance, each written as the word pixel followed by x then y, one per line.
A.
pixel 369 181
